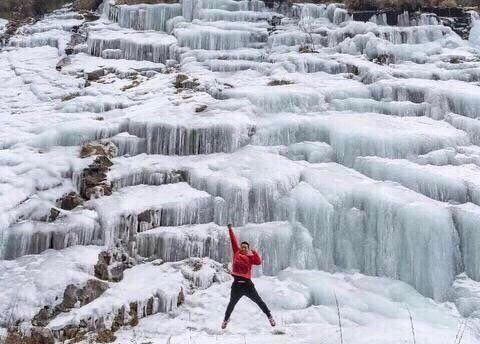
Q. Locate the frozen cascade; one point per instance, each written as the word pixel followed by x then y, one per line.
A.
pixel 35 237
pixel 130 45
pixel 474 37
pixel 470 125
pixel 467 220
pixel 145 17
pixel 242 16
pixel 444 96
pixel 330 144
pixel 129 144
pixel 444 183
pixel 399 137
pixel 281 244
pixel 212 38
pixel 385 217
pixel 186 134
pixel 138 208
pixel 250 181
pixel 191 9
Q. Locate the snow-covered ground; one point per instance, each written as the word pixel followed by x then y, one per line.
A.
pixel 345 152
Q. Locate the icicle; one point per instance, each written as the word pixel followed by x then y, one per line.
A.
pixel 467 221
pixel 147 17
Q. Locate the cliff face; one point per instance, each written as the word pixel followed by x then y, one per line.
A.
pixel 28 8
pixel 20 10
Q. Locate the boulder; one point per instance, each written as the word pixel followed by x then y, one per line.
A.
pixel 105 148
pixel 70 201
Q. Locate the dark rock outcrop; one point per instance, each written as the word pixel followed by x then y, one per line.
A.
pixel 111 264
pixel 73 296
pixel 34 335
pixel 70 201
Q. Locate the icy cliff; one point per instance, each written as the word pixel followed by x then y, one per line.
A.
pixel 345 152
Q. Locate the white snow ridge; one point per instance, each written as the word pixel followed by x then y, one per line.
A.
pixel 346 152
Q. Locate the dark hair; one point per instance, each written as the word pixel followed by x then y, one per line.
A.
pixel 246 243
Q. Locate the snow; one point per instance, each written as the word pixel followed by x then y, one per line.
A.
pixel 31 282
pixel 304 306
pixel 171 204
pixel 162 283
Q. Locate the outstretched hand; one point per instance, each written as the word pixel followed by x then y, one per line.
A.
pixel 229 226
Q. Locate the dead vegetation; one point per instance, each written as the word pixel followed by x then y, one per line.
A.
pixel 134 2
pixel 361 5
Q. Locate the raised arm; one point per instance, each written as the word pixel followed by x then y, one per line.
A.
pixel 255 258
pixel 233 239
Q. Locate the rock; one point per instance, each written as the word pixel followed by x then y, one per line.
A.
pixel 62 63
pixel 116 272
pixel 105 148
pixel 201 108
pixel 101 268
pixel 102 162
pixel 41 335
pixel 179 80
pixel 98 191
pixel 34 335
pixel 145 216
pixel 304 49
pixel 181 298
pixel 70 298
pixel 70 201
pixel 105 336
pixel 93 180
pixel 133 313
pixel 280 82
pixel 252 131
pixel 95 75
pixel 110 267
pixel 42 318
pixel 191 84
pixel 53 214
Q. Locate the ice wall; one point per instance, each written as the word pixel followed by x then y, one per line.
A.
pixel 146 17
pixel 130 45
pixel 418 247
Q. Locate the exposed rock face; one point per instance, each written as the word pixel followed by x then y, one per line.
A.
pixel 86 5
pixel 183 82
pixel 105 336
pixel 73 296
pixel 35 335
pixel 70 201
pixel 106 148
pixel 112 264
pixel 53 214
pixel 94 182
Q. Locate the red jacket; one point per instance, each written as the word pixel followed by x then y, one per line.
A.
pixel 242 263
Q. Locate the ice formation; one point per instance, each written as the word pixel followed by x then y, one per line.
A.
pixel 345 152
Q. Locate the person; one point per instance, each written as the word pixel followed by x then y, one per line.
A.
pixel 243 259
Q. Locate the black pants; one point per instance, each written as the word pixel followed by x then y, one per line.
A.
pixel 244 287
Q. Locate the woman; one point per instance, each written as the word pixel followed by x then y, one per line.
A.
pixel 243 259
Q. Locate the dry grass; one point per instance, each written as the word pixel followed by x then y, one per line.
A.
pixel 397 4
pixel 134 2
